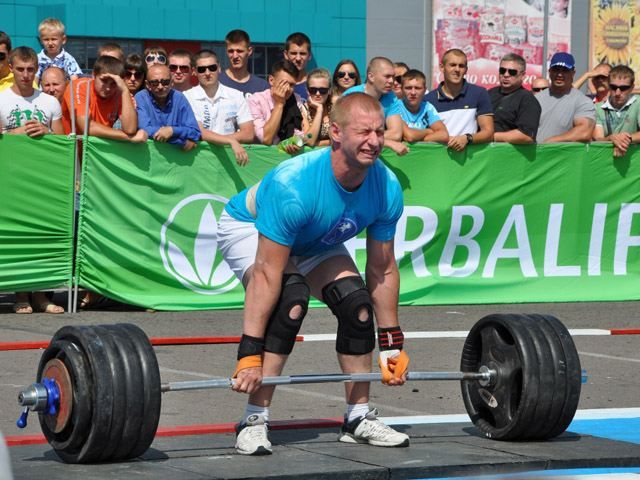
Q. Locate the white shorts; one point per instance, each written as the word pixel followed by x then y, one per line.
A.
pixel 238 243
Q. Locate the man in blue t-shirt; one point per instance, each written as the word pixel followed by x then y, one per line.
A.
pixel 237 76
pixel 379 85
pixel 284 238
pixel 421 120
pixel 465 108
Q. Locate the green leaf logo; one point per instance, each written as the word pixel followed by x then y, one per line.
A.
pixel 189 245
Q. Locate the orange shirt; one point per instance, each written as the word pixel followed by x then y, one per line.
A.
pixel 104 111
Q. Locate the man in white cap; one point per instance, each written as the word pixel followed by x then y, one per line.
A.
pixel 567 114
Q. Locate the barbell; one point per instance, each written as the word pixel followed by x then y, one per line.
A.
pixel 98 390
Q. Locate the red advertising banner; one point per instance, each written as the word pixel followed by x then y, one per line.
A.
pixel 486 30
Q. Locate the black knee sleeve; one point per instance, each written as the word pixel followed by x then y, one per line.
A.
pixel 346 298
pixel 281 332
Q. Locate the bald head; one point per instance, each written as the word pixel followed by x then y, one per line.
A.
pixel 378 63
pixel 347 108
pixel 53 82
pixel 158 69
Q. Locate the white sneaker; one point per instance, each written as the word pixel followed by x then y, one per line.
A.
pixel 251 437
pixel 369 429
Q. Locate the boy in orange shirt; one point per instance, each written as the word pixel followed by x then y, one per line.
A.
pixel 109 100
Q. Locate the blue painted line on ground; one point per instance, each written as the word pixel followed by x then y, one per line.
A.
pixel 620 429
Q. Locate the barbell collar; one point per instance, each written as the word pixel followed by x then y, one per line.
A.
pixel 485 375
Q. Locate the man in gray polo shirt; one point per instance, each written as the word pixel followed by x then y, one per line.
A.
pixel 567 114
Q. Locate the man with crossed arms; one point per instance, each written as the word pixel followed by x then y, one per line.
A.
pixel 284 238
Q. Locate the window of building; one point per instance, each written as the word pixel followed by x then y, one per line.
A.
pixel 85 51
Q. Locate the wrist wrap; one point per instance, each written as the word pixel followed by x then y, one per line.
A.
pixel 390 338
pixel 250 346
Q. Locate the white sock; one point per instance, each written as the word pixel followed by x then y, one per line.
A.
pixel 255 409
pixel 357 410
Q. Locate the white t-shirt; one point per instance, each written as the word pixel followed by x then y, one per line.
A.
pixel 224 113
pixel 16 110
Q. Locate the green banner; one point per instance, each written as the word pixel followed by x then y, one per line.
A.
pixel 36 212
pixel 496 224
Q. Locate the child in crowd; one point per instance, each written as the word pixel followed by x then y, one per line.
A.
pixel 53 38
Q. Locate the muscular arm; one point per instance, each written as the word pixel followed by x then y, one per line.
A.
pixel 383 281
pixel 394 125
pixel 581 132
pixel 263 287
pixel 512 136
pixel 486 130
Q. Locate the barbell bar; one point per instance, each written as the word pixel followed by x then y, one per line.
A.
pixel 98 391
pixel 483 375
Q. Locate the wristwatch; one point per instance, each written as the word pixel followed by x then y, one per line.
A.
pixel 469 138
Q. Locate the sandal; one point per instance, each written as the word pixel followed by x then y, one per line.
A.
pixel 49 307
pixel 22 308
pixel 93 300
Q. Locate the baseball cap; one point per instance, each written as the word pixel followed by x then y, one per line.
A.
pixel 562 59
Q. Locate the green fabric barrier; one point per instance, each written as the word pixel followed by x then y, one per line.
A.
pixel 496 224
pixel 36 212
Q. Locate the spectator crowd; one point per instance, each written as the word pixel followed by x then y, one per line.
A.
pixel 150 96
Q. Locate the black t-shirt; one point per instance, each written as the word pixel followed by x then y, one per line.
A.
pixel 516 110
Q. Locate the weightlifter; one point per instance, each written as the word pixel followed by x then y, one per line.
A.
pixel 284 238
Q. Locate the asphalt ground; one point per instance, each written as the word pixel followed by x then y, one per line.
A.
pixel 611 362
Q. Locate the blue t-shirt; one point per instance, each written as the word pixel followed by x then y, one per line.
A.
pixel 427 115
pixel 390 103
pixel 300 204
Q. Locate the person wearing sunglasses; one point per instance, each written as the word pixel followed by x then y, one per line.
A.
pixel 567 114
pixel 6 77
pixel 135 72
pixel 379 84
pixel 317 108
pixel 222 113
pixel 165 113
pixel 539 84
pixel 237 76
pixel 181 68
pixel 399 69
pixel 516 112
pixel 618 118
pixel 465 108
pixel 345 76
pixel 154 55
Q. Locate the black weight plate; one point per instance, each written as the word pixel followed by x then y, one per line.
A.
pixel 504 409
pixel 547 379
pixel 118 407
pixel 134 382
pixel 573 377
pixel 557 361
pixel 151 382
pixel 68 442
pixel 102 397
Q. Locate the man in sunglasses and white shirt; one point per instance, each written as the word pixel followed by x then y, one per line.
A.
pixel 618 117
pixel 180 66
pixel 516 112
pixel 567 114
pixel 222 112
pixel 165 113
